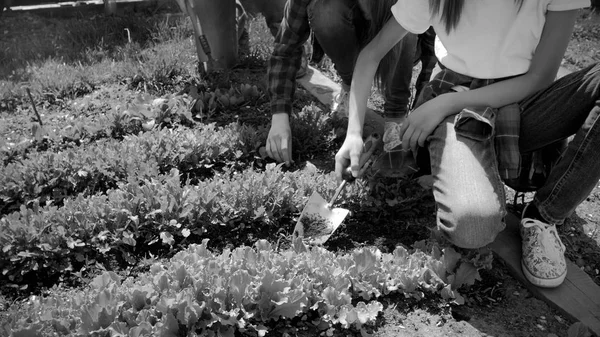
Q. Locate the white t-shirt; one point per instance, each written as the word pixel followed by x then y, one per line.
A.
pixel 493 39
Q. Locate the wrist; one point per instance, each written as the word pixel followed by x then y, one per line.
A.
pixel 280 117
pixel 354 131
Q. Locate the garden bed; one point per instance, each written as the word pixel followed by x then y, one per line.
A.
pixel 139 161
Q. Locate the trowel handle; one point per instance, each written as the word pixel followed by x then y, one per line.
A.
pixel 370 144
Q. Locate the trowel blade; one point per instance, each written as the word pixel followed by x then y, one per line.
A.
pixel 318 221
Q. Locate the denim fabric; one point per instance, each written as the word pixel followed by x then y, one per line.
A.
pixel 338 26
pixel 570 106
pixel 397 95
pixel 481 122
pixel 467 187
pixel 426 55
pixel 335 23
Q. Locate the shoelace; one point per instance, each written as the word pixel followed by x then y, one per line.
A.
pixel 391 136
pixel 339 98
pixel 545 235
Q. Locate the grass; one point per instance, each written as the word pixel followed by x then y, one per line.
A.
pixel 69 58
pixel 62 59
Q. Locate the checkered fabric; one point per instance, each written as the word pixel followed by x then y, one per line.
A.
pixel 286 58
pixel 482 123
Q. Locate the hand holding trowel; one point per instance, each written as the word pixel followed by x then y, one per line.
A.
pixel 319 220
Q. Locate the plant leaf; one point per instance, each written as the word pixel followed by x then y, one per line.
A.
pixel 465 274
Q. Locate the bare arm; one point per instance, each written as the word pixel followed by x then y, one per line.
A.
pixel 544 66
pixel 364 72
pixel 360 89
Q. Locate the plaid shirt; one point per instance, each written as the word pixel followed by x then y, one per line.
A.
pixel 482 123
pixel 287 55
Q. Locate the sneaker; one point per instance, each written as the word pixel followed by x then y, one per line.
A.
pixel 391 136
pixel 394 162
pixel 543 255
pixel 340 102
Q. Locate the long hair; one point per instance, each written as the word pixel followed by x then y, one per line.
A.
pixel 379 12
pixel 452 10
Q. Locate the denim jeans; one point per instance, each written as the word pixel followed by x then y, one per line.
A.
pixel 426 55
pixel 467 188
pixel 339 27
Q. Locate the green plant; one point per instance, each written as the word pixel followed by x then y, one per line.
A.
pixel 319 130
pixel 246 289
pixel 149 215
pixel 96 167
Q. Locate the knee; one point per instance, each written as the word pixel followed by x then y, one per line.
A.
pixel 327 18
pixel 471 224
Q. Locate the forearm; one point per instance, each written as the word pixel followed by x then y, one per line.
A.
pixel 498 94
pixel 362 80
pixel 281 75
pixel 287 55
pixel 364 72
pixel 542 72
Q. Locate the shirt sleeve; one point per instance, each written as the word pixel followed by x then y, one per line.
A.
pixel 287 55
pixel 413 15
pixel 567 5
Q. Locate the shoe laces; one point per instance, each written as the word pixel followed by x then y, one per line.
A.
pixel 546 235
pixel 341 96
pixel 391 136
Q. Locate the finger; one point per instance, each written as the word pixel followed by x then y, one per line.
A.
pixel 403 128
pixel 276 151
pixel 406 138
pixel 414 142
pixel 422 139
pixel 268 149
pixel 341 164
pixel 286 149
pixel 355 162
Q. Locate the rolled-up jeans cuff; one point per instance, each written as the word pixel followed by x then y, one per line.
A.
pixel 473 125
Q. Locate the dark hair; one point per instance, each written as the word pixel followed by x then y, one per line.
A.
pixel 452 11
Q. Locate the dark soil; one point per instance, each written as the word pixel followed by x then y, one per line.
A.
pixel 404 212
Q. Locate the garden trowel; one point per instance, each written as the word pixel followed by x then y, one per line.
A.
pixel 318 219
pixel 201 41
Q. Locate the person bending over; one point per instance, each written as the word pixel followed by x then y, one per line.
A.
pixel 342 28
pixel 494 99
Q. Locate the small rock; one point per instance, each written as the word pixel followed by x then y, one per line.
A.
pixel 558 319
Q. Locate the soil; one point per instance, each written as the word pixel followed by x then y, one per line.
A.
pixel 498 305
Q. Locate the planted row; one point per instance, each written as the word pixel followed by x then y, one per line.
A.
pixel 123 118
pixel 200 293
pixel 43 243
pixel 109 119
pixel 51 177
